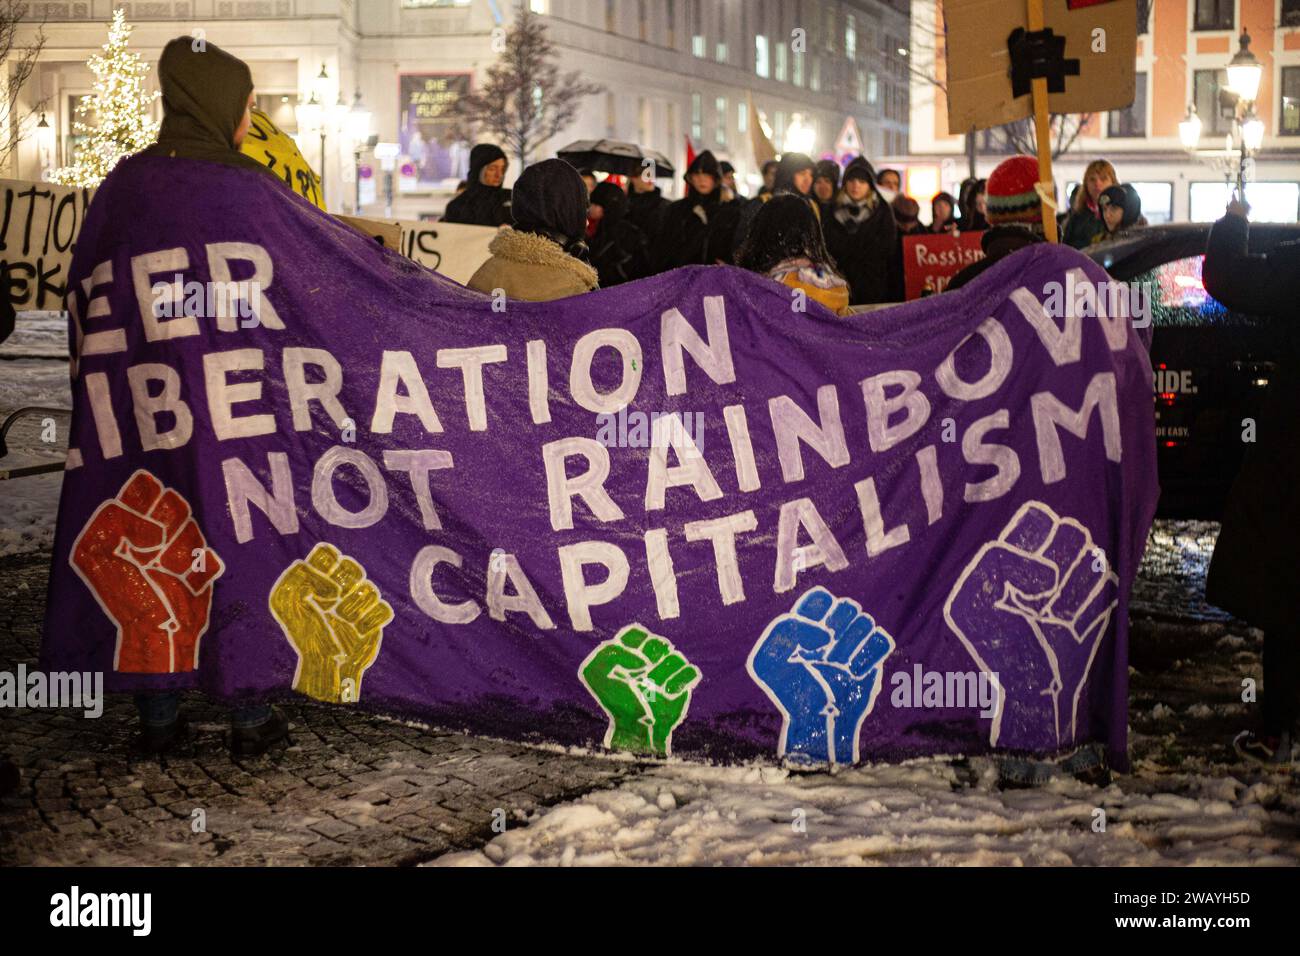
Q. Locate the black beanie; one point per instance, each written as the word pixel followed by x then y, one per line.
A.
pixel 550 199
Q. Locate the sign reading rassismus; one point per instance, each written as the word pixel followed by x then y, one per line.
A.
pixel 693 515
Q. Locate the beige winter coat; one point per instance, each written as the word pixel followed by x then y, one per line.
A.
pixel 532 268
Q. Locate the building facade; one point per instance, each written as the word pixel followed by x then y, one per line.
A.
pixel 1183 49
pixel 671 69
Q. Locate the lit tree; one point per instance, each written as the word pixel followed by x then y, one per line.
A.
pixel 525 99
pixel 121 107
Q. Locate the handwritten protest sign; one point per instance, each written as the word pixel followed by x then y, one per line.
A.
pixel 274 148
pixel 931 259
pixel 453 249
pixel 39 223
pixel 677 516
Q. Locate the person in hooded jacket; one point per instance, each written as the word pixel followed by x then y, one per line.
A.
pixel 206 96
pixel 826 181
pixel 645 206
pixel 541 258
pixel 485 202
pixel 619 250
pixel 861 235
pixel 1121 210
pixel 785 244
pixel 794 174
pixel 698 229
pixel 1254 573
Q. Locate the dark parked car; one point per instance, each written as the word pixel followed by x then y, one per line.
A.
pixel 1212 365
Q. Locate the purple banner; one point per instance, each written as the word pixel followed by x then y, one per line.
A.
pixel 696 514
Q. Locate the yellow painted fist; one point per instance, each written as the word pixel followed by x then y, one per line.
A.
pixel 334 618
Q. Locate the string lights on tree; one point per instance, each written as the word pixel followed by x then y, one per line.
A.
pixel 122 109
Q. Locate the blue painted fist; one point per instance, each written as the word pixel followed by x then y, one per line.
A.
pixel 821 667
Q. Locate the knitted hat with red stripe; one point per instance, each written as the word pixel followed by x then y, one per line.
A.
pixel 1010 196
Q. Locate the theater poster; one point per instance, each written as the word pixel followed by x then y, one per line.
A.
pixel 427 138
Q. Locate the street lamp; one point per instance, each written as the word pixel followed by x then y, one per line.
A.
pixel 358 127
pixel 1189 130
pixel 1244 75
pixel 1244 72
pixel 44 143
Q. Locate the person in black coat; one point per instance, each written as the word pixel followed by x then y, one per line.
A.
pixel 1254 573
pixel 645 206
pixel 861 235
pixel 619 250
pixel 794 174
pixel 698 229
pixel 485 202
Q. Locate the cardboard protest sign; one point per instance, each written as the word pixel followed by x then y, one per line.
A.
pixel 271 146
pixel 668 517
pixel 452 249
pixel 931 259
pixel 1101 35
pixel 39 223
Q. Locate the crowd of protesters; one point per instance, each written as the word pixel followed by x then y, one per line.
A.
pixel 838 232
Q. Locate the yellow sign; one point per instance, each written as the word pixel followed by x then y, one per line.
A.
pixel 271 146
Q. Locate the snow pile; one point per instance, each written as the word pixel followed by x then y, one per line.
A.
pixel 932 812
pixel 33 371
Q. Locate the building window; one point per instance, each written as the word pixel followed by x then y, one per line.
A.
pixel 642 20
pixel 830 28
pixel 778 127
pixel 720 113
pixel 697 30
pixel 781 51
pixel 1131 121
pixel 720 51
pixel 1214 15
pixel 672 23
pixel 1216 116
pixel 873 88
pixel 1290 124
pixel 761 65
pixel 850 36
pixel 815 75
pixel 537 6
pixel 642 120
pixel 697 117
pixel 1289 14
pixel 742 118
pixel 797 71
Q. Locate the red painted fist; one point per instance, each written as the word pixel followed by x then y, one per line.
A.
pixel 151 570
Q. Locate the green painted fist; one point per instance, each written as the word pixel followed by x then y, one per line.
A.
pixel 644 685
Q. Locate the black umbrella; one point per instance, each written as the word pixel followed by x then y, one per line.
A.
pixel 611 156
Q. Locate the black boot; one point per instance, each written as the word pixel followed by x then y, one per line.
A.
pixel 158 739
pixel 257 740
pixel 9 776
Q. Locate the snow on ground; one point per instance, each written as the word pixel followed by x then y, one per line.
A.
pixel 33 371
pixel 921 813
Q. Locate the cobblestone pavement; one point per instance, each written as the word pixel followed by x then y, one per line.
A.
pixel 352 789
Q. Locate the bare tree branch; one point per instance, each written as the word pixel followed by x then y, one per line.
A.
pixel 21 62
pixel 525 99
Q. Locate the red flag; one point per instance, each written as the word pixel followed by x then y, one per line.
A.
pixel 690 153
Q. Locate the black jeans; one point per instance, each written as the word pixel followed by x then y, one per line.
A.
pixel 1281 696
